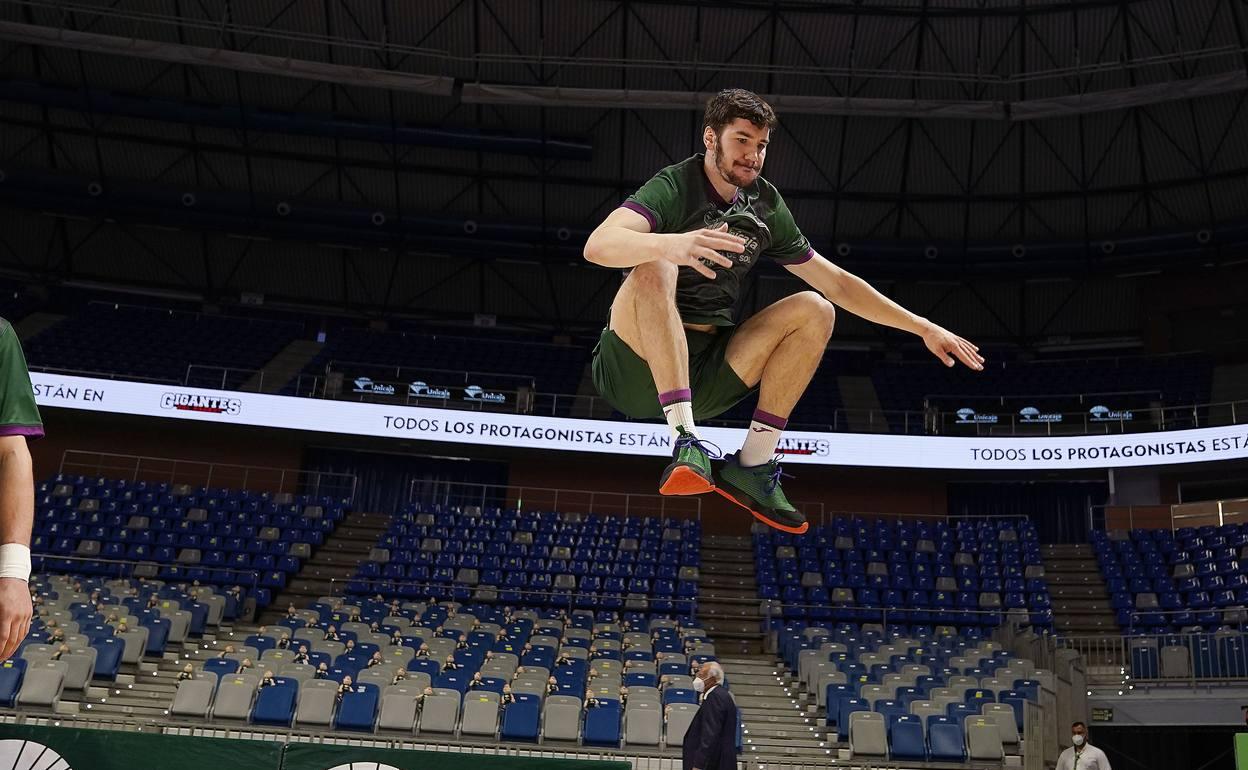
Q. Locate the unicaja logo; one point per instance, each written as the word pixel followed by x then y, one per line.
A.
pixel 967 415
pixel 1032 414
pixel 476 393
pixel 423 390
pixel 366 385
pixel 1102 413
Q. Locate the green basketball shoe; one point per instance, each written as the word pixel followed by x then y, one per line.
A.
pixel 690 470
pixel 757 490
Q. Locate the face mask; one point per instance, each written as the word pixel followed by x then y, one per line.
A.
pixel 698 685
pixel 1078 739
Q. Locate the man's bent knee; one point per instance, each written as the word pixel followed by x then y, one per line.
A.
pixel 819 314
pixel 655 276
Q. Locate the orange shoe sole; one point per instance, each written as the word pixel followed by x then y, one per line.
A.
pixel 685 481
pixel 774 525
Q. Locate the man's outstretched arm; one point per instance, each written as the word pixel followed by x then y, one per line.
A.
pixel 17 513
pixel 846 290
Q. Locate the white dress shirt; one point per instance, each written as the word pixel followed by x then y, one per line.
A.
pixel 1088 758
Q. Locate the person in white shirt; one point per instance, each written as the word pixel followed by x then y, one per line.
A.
pixel 1083 755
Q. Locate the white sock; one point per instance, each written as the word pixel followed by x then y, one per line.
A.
pixel 760 442
pixel 678 409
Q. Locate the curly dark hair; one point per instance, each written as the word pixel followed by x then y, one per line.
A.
pixel 732 103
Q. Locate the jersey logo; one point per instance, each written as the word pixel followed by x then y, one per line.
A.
pixel 743 225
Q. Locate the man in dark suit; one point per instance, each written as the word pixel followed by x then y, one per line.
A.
pixel 711 742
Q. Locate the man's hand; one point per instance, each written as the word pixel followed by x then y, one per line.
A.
pixel 946 345
pixel 15 612
pixel 689 249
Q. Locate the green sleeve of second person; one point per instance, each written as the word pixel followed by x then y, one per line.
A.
pixel 19 416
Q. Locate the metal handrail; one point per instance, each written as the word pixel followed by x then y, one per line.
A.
pixel 225 373
pixel 134 467
pixel 532 596
pixel 252 575
pixel 504 497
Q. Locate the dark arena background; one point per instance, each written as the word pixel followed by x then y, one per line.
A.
pixel 303 290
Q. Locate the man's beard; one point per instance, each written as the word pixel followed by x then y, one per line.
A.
pixel 726 171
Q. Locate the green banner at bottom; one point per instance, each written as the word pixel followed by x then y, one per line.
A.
pixel 40 747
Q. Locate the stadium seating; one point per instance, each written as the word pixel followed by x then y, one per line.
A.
pixel 179 533
pixel 920 573
pixel 102 337
pixel 535 559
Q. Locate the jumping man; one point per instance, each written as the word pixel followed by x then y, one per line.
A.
pixel 687 238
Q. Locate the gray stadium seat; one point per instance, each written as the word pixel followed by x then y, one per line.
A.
pixel 1007 726
pixel 1175 663
pixel 381 676
pixel 81 663
pixel 678 720
pixel 1146 601
pixel 399 704
pixel 235 695
pixel 643 722
pixel 179 624
pixel 439 712
pixel 983 739
pixel 42 685
pixel 193 698
pixel 480 713
pixel 315 706
pixel 867 734
pixel 561 718
pixel 300 672
pixel 926 708
pixel 88 548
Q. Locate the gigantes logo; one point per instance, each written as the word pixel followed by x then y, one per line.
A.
pixel 189 402
pixel 804 446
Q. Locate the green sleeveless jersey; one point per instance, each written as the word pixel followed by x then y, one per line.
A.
pixel 680 198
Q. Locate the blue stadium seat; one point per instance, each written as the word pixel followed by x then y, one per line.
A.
pixel 275 705
pixel 108 652
pixel 602 724
pixel 521 719
pixel 905 739
pixel 12 672
pixel 944 740
pixel 358 709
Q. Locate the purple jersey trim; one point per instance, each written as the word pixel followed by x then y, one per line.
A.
pixel 31 431
pixel 645 212
pixel 809 255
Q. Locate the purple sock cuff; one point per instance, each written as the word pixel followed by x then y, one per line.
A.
pixel 673 396
pixel 767 418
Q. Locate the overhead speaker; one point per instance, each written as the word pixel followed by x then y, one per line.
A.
pixel 283 209
pixel 931 252
pixel 842 250
pixel 1018 251
pixel 1203 236
pixel 470 226
pixel 1108 247
pixel 95 189
pixel 188 199
pixel 378 218
pixel 563 233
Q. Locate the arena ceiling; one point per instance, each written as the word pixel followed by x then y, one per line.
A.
pixel 227 144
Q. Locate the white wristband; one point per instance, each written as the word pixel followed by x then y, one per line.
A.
pixel 15 561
